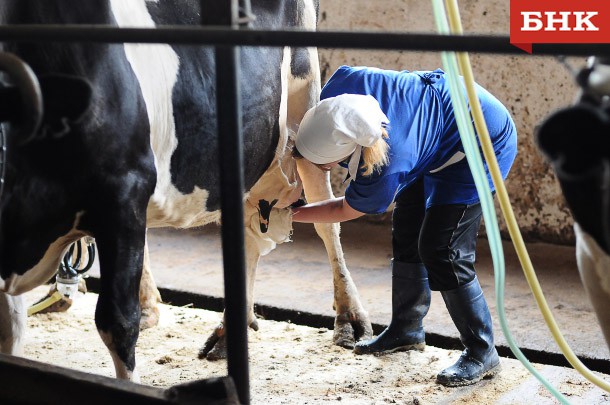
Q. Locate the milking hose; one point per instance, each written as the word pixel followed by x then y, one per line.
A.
pixel 45 303
pixel 509 216
pixel 478 171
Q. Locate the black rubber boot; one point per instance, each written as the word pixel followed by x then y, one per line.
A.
pixel 470 314
pixel 410 303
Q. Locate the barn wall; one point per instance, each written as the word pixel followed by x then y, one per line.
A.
pixel 530 87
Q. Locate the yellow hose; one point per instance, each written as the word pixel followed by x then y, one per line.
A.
pixel 505 205
pixel 39 306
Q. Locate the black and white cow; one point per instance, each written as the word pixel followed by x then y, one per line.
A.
pixel 128 140
pixel 574 141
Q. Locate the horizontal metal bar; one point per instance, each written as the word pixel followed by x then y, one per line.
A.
pixel 27 381
pixel 322 39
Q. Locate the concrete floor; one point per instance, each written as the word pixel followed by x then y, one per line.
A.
pixel 296 276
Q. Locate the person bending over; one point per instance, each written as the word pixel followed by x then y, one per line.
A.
pixel 396 133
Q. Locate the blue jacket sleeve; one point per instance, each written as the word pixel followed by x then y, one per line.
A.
pixel 372 195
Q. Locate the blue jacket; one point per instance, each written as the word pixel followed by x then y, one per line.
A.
pixel 423 137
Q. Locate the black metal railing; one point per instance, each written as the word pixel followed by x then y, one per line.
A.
pixel 216 35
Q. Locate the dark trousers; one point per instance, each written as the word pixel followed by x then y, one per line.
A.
pixel 443 237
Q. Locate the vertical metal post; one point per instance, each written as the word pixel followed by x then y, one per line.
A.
pixel 225 12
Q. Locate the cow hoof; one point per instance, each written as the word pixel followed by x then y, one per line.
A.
pixel 350 329
pixel 215 348
pixel 343 335
pixel 254 325
pixel 217 338
pixel 150 318
pixel 219 351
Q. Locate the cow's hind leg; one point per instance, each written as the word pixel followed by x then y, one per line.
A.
pixel 119 226
pixel 12 324
pixel 117 315
pixel 215 347
pixel 352 322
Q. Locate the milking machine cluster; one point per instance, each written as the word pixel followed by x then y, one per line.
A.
pixel 74 266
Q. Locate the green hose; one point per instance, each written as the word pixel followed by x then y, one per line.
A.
pixel 475 162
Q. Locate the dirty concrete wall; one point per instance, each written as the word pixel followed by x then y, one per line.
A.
pixel 531 87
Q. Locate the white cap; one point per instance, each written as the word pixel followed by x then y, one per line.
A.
pixel 338 127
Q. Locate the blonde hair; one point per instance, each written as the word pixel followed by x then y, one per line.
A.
pixel 376 156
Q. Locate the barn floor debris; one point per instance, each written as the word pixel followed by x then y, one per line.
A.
pixel 290 364
pixel 296 278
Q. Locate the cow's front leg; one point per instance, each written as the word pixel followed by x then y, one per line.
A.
pixel 352 322
pixel 215 347
pixel 12 324
pixel 149 295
